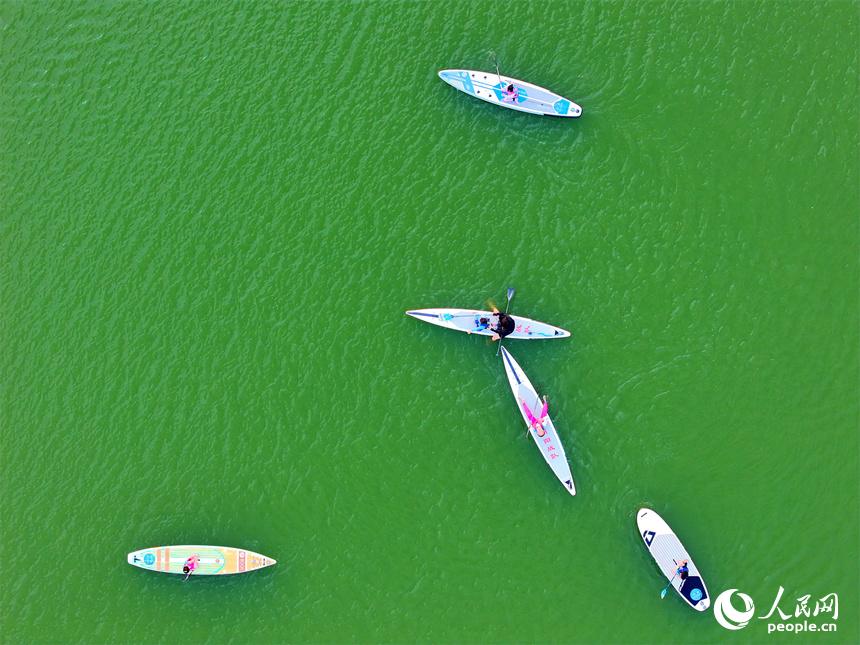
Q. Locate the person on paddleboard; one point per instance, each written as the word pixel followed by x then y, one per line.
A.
pixel 189 566
pixel 511 93
pixel 536 422
pixel 682 572
pixel 480 324
pixel 504 326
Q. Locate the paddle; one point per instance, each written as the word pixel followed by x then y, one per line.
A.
pixel 496 64
pixel 450 316
pixel 510 295
pixel 663 594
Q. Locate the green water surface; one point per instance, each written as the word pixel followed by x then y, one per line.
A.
pixel 213 216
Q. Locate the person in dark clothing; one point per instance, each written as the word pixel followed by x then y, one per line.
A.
pixel 504 326
pixel 682 572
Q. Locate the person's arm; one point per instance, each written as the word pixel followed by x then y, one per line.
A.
pixel 545 408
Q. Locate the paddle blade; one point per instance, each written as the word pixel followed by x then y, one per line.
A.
pixel 510 295
pixel 663 593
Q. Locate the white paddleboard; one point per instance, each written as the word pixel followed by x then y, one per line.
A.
pixel 211 560
pixel 549 445
pixel 467 320
pixel 490 87
pixel 667 551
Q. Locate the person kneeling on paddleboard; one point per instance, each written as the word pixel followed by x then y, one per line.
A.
pixel 480 325
pixel 536 422
pixel 189 566
pixel 505 325
pixel 511 93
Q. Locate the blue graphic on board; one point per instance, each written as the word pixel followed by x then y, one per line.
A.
pixel 461 77
pixel 467 82
pixel 149 559
pixel 696 595
pixel 561 106
pixel 648 536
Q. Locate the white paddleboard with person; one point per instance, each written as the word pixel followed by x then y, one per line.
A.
pixel 534 411
pixel 672 559
pixel 510 92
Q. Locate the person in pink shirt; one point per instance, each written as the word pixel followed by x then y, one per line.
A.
pixel 536 422
pixel 189 566
pixel 511 93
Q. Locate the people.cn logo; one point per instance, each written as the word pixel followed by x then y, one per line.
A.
pixel 728 616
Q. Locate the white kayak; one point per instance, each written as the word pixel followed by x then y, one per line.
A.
pixel 667 551
pixel 549 445
pixel 468 320
pixel 490 87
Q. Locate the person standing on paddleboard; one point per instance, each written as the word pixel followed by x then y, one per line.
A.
pixel 504 326
pixel 189 566
pixel 511 93
pixel 536 422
